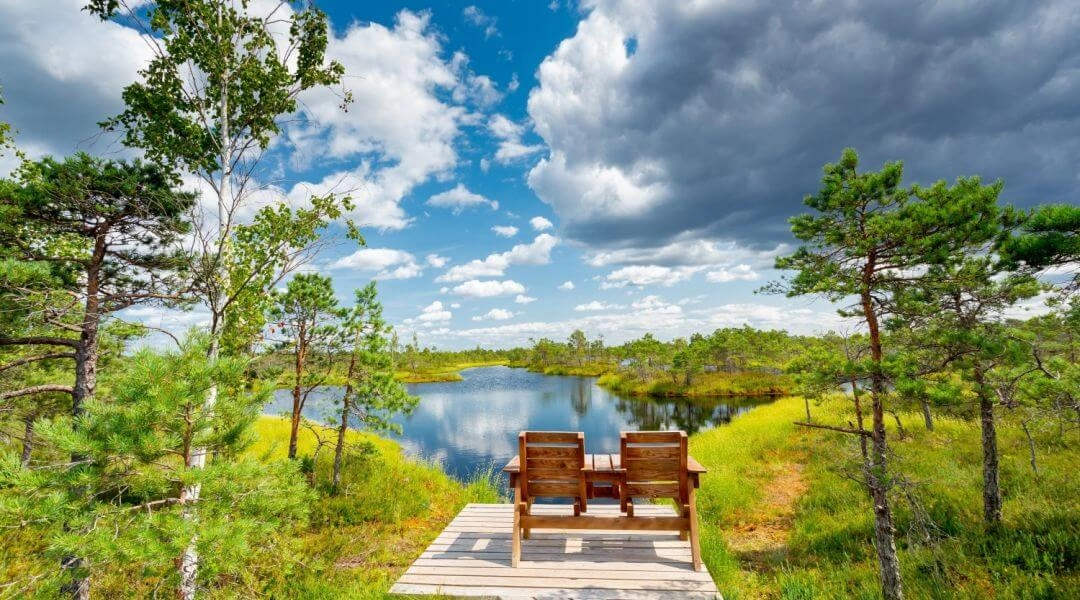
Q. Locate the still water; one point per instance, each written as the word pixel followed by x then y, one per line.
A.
pixel 471 424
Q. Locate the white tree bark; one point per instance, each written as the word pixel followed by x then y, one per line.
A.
pixel 189 496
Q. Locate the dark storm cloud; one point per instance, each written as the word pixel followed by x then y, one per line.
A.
pixel 718 123
pixel 62 71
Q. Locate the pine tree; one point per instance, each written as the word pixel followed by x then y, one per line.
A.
pixel 305 313
pixel 867 236
pixel 135 446
pixel 372 395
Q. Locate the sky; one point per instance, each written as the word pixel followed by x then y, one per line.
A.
pixel 523 168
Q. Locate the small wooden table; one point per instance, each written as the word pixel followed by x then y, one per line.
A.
pixel 603 469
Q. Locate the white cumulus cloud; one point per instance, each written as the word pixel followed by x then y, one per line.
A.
pixel 495 314
pixel 642 275
pixel 400 130
pixel 538 252
pixel 511 147
pixel 736 273
pixel 458 198
pixel 487 289
pixel 507 231
pixel 597 305
pixel 431 314
pixel 540 224
pixel 387 262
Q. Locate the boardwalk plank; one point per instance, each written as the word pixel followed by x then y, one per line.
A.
pixel 471 559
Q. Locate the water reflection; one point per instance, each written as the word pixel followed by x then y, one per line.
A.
pixel 473 423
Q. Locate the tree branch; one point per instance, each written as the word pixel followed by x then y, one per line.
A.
pixel 39 341
pixel 30 359
pixel 37 389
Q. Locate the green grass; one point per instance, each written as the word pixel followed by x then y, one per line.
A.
pixel 422 373
pixel 389 509
pixel 440 373
pixel 586 370
pixel 828 551
pixel 705 384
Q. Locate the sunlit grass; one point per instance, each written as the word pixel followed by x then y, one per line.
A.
pixel 389 509
pixel 829 551
pixel 440 373
pixel 704 384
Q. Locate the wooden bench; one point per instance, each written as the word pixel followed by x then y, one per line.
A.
pixel 651 465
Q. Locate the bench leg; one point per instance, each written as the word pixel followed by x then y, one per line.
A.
pixel 527 533
pixel 515 544
pixel 695 541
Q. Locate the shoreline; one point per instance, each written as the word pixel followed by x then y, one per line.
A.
pixel 615 383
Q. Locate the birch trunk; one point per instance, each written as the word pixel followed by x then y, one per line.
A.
pixel 189 496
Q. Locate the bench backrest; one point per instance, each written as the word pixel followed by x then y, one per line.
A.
pixel 551 464
pixel 655 464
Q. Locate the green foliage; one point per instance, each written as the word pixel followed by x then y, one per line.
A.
pixel 706 384
pixel 868 230
pixel 248 80
pixel 85 212
pixel 259 255
pixel 305 314
pixel 388 509
pixel 305 311
pixel 121 504
pixel 1049 237
pixel 7 142
pixel 374 396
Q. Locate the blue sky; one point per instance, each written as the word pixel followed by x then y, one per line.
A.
pixel 648 153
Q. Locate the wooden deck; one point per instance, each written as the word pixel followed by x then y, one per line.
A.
pixel 471 558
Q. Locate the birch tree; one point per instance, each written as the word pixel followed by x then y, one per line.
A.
pixel 215 94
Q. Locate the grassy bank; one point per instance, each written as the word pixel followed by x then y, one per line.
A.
pixel 389 509
pixel 705 384
pixel 422 374
pixel 585 370
pixel 780 519
pixel 441 372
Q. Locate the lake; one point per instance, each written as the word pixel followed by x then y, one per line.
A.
pixel 470 424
